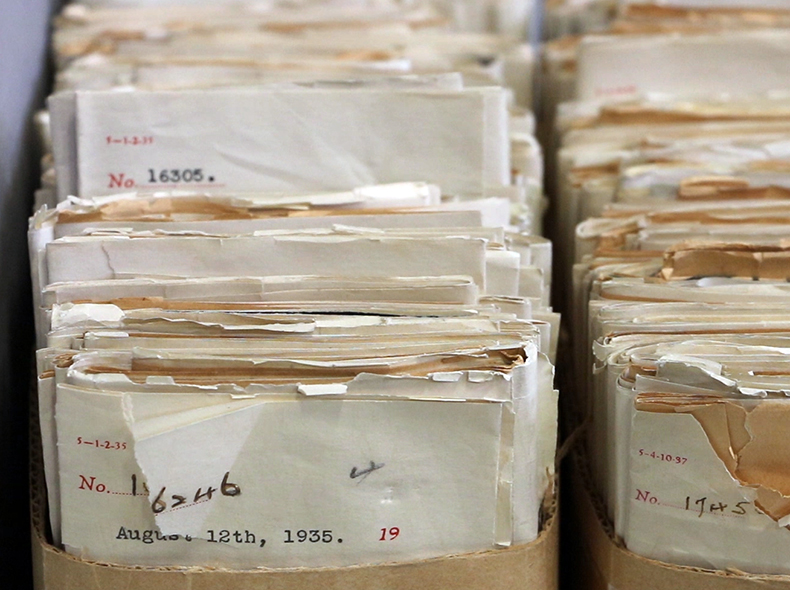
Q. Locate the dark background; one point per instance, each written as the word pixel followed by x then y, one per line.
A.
pixel 24 77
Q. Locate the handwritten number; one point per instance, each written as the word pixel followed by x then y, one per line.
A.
pixel 227 488
pixel 701 503
pixel 720 507
pixel 159 505
pixel 739 509
pixel 208 494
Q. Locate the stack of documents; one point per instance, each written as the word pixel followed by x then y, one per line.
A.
pixel 659 296
pixel 390 85
pixel 466 138
pixel 271 154
pixel 235 306
pixel 671 181
pixel 497 16
pixel 346 331
pixel 646 51
pixel 298 320
pixel 284 56
pixel 284 425
pixel 214 58
pixel 650 153
pixel 377 232
pixel 700 457
pixel 242 43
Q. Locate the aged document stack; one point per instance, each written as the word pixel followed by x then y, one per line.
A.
pixel 645 50
pixel 292 299
pixel 671 182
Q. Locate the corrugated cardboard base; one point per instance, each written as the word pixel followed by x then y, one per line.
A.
pixel 527 567
pixel 603 564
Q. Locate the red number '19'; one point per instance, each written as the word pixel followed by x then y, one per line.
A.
pixel 389 534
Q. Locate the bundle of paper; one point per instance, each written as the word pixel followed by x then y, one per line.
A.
pixel 696 271
pixel 286 430
pixel 503 264
pixel 245 139
pixel 282 98
pixel 625 25
pixel 307 317
pixel 655 297
pixel 728 244
pixel 396 53
pixel 263 361
pixel 634 232
pixel 301 137
pixel 282 346
pixel 643 300
pixel 233 131
pixel 704 473
pixel 512 17
pixel 82 28
pixel 188 47
pixel 645 52
pixel 626 66
pixel 494 156
pixel 652 152
pixel 670 180
pixel 708 12
pixel 620 326
pixel 205 59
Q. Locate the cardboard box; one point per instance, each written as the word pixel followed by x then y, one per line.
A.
pixel 533 566
pixel 602 563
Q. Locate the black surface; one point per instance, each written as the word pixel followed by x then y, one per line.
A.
pixel 24 78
